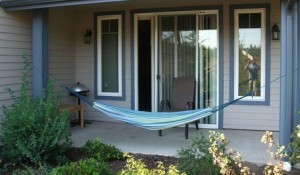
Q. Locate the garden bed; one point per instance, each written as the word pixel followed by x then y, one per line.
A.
pixel 150 161
pixel 75 154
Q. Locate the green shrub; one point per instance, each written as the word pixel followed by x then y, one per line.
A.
pixel 33 130
pixel 134 167
pixel 101 151
pixel 83 167
pixel 295 146
pixel 196 159
pixel 41 170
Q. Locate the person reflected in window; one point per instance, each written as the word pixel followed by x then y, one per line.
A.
pixel 253 69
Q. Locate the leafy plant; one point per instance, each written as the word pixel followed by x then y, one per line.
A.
pixel 295 146
pixel 196 159
pixel 229 161
pixel 83 167
pixel 273 168
pixel 137 167
pixel 33 130
pixel 101 151
pixel 32 171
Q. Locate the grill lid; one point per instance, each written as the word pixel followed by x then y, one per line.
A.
pixel 79 88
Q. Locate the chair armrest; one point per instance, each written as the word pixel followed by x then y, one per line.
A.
pixel 164 104
pixel 190 105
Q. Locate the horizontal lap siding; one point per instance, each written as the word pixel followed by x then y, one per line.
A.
pixel 235 116
pixel 15 38
pixel 248 116
pixel 85 72
pixel 62 50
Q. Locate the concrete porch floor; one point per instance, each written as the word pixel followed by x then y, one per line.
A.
pixel 137 140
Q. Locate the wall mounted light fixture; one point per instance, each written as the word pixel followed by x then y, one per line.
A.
pixel 275 32
pixel 87 37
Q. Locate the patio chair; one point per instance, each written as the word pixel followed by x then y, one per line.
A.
pixel 182 98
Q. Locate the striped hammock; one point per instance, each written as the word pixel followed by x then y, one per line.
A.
pixel 153 120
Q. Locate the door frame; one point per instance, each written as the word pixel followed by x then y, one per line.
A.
pixel 150 17
pixel 155 62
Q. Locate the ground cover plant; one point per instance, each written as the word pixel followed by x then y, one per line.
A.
pixel 196 159
pixel 101 151
pixel 33 130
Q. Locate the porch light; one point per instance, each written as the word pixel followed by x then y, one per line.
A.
pixel 275 32
pixel 87 37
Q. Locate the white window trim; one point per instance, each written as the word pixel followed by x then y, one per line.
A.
pixel 99 57
pixel 262 11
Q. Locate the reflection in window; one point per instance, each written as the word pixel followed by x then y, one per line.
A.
pixel 249 53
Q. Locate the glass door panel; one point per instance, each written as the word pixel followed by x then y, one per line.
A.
pixel 179 55
pixel 177 50
pixel 207 64
pixel 167 55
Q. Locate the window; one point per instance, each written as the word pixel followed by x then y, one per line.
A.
pixel 109 56
pixel 250 54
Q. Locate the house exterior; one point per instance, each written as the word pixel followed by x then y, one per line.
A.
pixel 126 52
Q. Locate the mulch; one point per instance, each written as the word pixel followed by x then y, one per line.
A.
pixel 150 161
pixel 75 154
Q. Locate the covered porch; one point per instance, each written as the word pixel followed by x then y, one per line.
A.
pixel 59 49
pixel 137 140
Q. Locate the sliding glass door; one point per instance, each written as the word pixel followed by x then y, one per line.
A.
pixel 188 47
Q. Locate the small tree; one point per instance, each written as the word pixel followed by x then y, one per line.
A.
pixel 33 129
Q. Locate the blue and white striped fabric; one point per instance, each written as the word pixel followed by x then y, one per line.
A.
pixel 153 120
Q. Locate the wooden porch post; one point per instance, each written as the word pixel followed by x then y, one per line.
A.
pixel 40 58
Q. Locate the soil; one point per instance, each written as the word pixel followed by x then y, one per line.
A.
pixel 150 161
pixel 75 154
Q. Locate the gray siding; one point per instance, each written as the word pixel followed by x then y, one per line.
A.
pixel 15 37
pixel 254 117
pixel 62 50
pixel 235 116
pixel 71 60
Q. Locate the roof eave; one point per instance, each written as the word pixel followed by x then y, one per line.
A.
pixel 38 4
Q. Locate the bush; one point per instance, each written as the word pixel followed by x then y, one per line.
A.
pixel 295 146
pixel 228 161
pixel 134 167
pixel 41 170
pixel 100 151
pixel 33 130
pixel 196 159
pixel 90 166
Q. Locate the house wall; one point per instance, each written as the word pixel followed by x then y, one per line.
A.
pixel 235 116
pixel 71 60
pixel 62 50
pixel 15 38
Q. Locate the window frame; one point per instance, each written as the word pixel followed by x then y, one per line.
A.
pixel 264 10
pixel 99 94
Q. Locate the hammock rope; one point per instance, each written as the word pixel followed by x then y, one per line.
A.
pixel 154 120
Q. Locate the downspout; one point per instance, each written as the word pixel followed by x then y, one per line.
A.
pixel 296 63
